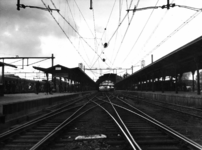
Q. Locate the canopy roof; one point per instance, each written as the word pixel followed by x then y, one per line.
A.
pixel 183 59
pixel 5 64
pixel 75 74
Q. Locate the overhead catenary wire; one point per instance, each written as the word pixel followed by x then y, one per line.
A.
pixel 95 35
pixel 173 33
pixel 77 32
pixel 105 31
pixel 126 31
pixel 83 17
pixel 120 9
pixel 151 35
pixel 123 38
pixel 84 50
pixel 140 33
pixel 66 34
pixel 120 23
pixel 127 8
pixel 71 13
pixel 188 7
pixel 118 27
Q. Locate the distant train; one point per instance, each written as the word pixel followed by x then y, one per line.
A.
pixel 105 89
pixel 14 84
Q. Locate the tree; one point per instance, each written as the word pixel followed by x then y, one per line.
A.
pixel 125 75
pixel 186 76
pixel 118 78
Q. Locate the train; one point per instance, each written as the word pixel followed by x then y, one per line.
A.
pixel 14 84
pixel 106 89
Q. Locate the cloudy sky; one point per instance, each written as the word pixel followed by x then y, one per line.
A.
pixel 34 32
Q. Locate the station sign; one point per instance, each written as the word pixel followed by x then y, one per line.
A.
pixel 58 68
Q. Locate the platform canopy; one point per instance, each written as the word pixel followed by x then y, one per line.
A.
pixel 5 64
pixel 187 58
pixel 75 74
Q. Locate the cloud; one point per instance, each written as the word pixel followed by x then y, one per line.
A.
pixel 21 30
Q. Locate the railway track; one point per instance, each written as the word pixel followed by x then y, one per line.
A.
pixel 190 111
pixel 101 122
pixel 27 134
pixel 147 132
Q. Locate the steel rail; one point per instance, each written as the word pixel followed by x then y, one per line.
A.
pixel 161 125
pixel 186 107
pixel 37 120
pixel 132 139
pixel 173 105
pixel 61 126
pixel 122 130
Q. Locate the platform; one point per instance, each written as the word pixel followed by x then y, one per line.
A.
pixel 14 106
pixel 13 98
pixel 189 99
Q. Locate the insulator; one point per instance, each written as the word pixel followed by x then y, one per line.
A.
pixel 172 5
pixel 103 59
pixel 105 45
pixel 91 4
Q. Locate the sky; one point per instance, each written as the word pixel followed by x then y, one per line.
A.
pixel 78 35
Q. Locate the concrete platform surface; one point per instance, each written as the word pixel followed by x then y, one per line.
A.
pixel 13 98
pixel 180 93
pixel 189 99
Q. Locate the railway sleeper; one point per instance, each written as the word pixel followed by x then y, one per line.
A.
pixel 161 147
pixel 18 146
pixel 31 136
pixel 37 133
pixel 146 132
pixel 46 127
pixel 151 137
pixel 157 142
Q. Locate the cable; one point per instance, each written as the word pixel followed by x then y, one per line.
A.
pixel 77 32
pixel 83 17
pixel 84 50
pixel 174 32
pixel 123 39
pixel 65 34
pixel 127 8
pixel 140 33
pixel 125 32
pixel 95 40
pixel 105 31
pixel 191 8
pixel 118 27
pixel 71 13
pixel 158 24
pixel 120 23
